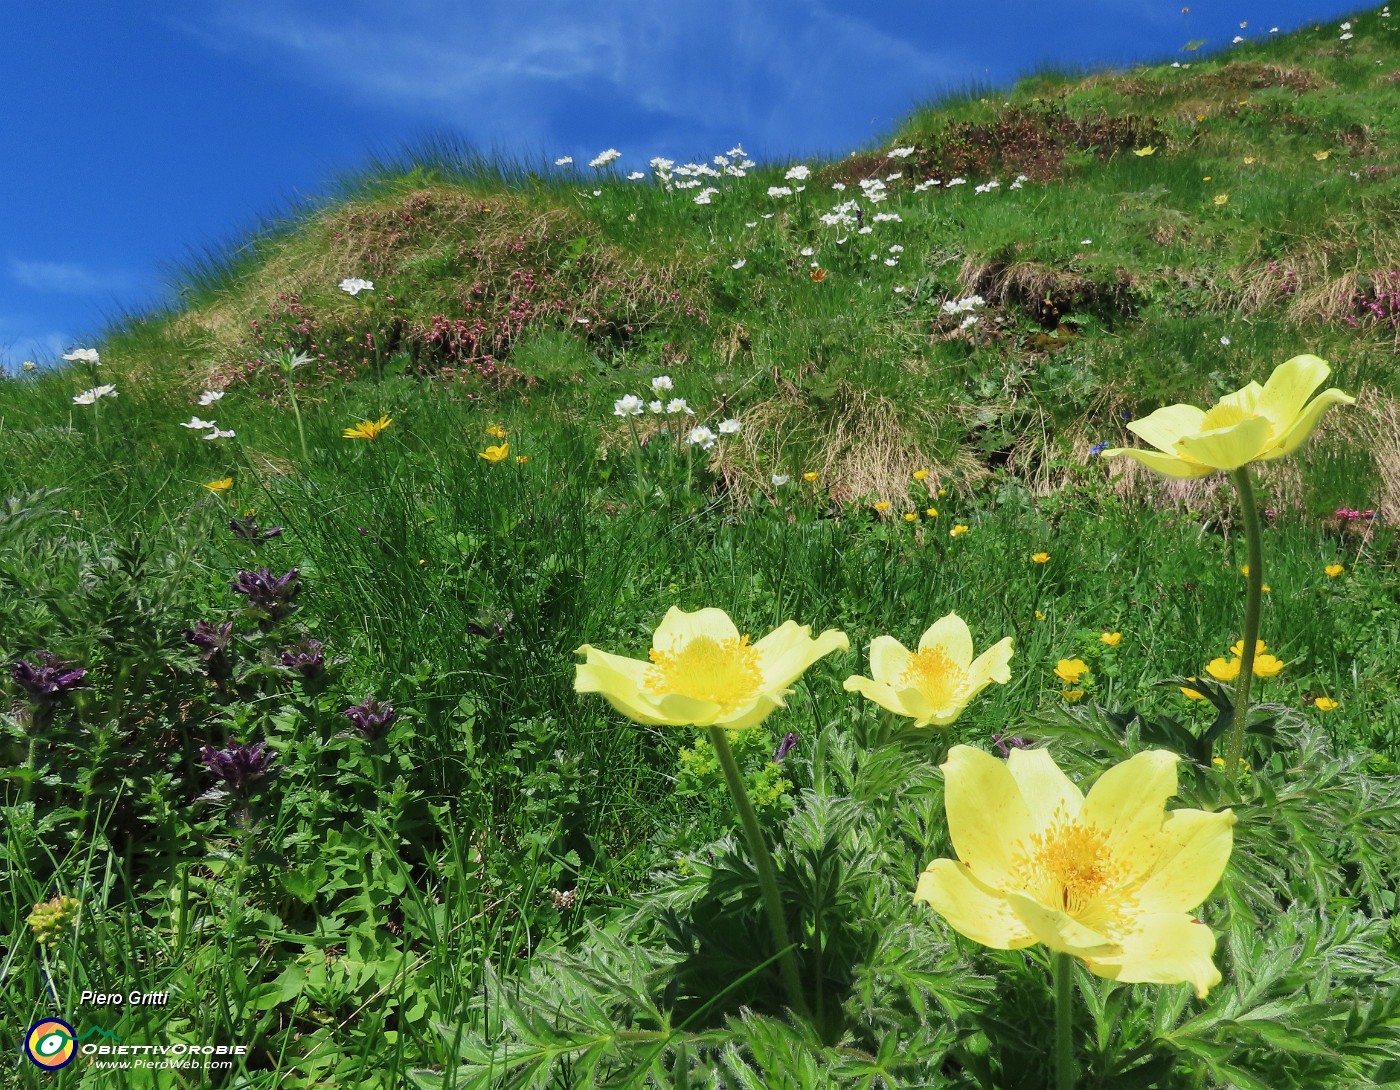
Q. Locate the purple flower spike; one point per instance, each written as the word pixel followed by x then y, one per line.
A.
pixel 212 640
pixel 1098 448
pixel 1006 743
pixel 238 764
pixel 250 531
pixel 50 681
pixel 370 716
pixel 786 746
pixel 305 658
pixel 274 596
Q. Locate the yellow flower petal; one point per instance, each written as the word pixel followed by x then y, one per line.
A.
pixel 1168 425
pixel 1171 948
pixel 1194 848
pixel 1111 638
pixel 969 908
pixel 785 654
pixel 976 785
pixel 1046 790
pixel 1222 670
pixel 1166 464
pixel 1267 666
pixel 1128 802
pixel 1227 447
pixel 1325 704
pixel 1059 930
pixel 949 632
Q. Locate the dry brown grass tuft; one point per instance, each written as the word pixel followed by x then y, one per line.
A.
pixel 1046 292
pixel 1374 423
pixel 861 447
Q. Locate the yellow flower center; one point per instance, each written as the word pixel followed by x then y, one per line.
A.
pixel 1225 416
pixel 1070 866
pixel 723 672
pixel 937 677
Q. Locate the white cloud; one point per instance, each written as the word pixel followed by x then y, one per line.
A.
pixel 68 277
pixel 22 340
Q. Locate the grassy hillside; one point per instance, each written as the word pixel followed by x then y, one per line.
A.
pixel 898 370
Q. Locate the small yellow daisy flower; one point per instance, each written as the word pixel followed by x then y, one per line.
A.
pixel 1111 638
pixel 1041 558
pixel 1071 671
pixel 1222 198
pixel 1325 704
pixel 882 506
pixel 810 477
pixel 911 516
pixel 958 530
pixel 920 474
pixel 496 453
pixel 1149 150
pixel 1332 570
pixel 222 485
pixel 496 431
pixel 368 429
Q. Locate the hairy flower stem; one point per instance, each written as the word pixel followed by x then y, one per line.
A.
pixel 1062 968
pixel 1254 593
pixel 296 413
pixel 763 863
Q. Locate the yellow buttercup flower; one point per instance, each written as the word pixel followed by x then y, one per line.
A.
pixel 496 431
pixel 1073 696
pixel 810 477
pixel 1256 423
pixel 1237 648
pixel 1071 670
pixel 367 429
pixel 1249 160
pixel 931 512
pixel 1191 694
pixel 1111 638
pixel 1222 670
pixel 1267 666
pixel 703 673
pixel 958 530
pixel 920 474
pixel 910 516
pixel 934 684
pixel 1332 570
pixel 882 506
pixel 1149 150
pixel 1325 704
pixel 1041 558
pixel 222 485
pixel 1110 877
pixel 1222 198
pixel 1039 616
pixel 1321 154
pixel 496 453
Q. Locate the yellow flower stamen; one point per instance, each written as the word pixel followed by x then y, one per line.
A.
pixel 937 677
pixel 722 672
pixel 1071 866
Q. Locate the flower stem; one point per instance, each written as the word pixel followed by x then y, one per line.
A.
pixel 1062 968
pixel 296 412
pixel 1254 593
pixel 763 863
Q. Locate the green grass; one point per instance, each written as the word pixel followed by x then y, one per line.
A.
pixel 506 852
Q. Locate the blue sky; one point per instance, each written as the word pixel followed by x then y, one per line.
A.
pixel 137 131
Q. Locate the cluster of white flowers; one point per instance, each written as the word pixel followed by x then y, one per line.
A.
pixel 700 435
pixel 919 187
pixel 843 215
pixel 703 197
pixel 874 190
pixel 957 181
pixel 987 187
pixel 1021 180
pixel 208 397
pixel 83 355
pixel 603 158
pixel 734 164
pixel 564 161
pixel 87 397
pixel 353 285
pixel 211 429
pixel 777 191
pixel 900 153
pixel 886 217
pixel 963 305
pixel 628 405
pixel 798 173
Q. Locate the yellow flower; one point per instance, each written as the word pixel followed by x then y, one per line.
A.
pixel 1249 160
pixel 1039 616
pixel 910 516
pixel 1321 154
pixel 368 429
pixel 942 492
pixel 1222 670
pixel 931 512
pixel 1325 704
pixel 1244 570
pixel 1222 198
pixel 222 485
pixel 1111 638
pixel 882 506
pixel 935 683
pixel 810 477
pixel 1071 670
pixel 703 673
pixel 495 454
pixel 1237 648
pixel 1219 762
pixel 1256 423
pixel 1041 558
pixel 1110 878
pixel 920 474
pixel 1267 666
pixel 521 459
pixel 958 530
pixel 1191 694
pixel 1149 150
pixel 496 431
pixel 1332 570
pixel 1073 696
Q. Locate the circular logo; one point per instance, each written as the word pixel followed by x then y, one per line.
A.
pixel 50 1043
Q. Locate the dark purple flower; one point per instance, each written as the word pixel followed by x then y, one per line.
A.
pixel 305 658
pixel 50 681
pixel 238 764
pixel 1007 742
pixel 492 630
pixel 370 716
pixel 250 531
pixel 274 596
pixel 786 746
pixel 211 640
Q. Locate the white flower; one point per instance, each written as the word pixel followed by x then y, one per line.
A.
pixel 703 197
pixel 740 263
pixel 900 153
pixel 87 397
pixel 662 166
pixel 865 230
pixel 218 434
pixel 628 405
pixel 896 249
pixel 1086 242
pixel 767 215
pixel 900 289
pixel 83 355
pixel 780 479
pixel 806 251
pixel 636 176
pixel 840 187
pixel 194 423
pixel 655 407
pixel 603 158
pixel 736 151
pixel 957 181
pixel 702 437
pixel 1273 30
pixel 1346 26
pixel 987 187
pixel 583 321
pixel 970 320
pixel 208 397
pixel 776 191
pixel 661 383
pixel 798 174
pixel 28 365
pixel 353 285
pixel 1225 341
pixel 886 217
pixel 678 405
pixel 962 306
pixel 1236 40
pixel 564 160
pixel 1346 37
pixel 891 261
pixel 895 176
pixel 1177 64
pixel 753 224
pixel 729 427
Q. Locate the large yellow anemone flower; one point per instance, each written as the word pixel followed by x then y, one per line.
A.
pixel 1110 878
pixel 703 673
pixel 935 683
pixel 1257 423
